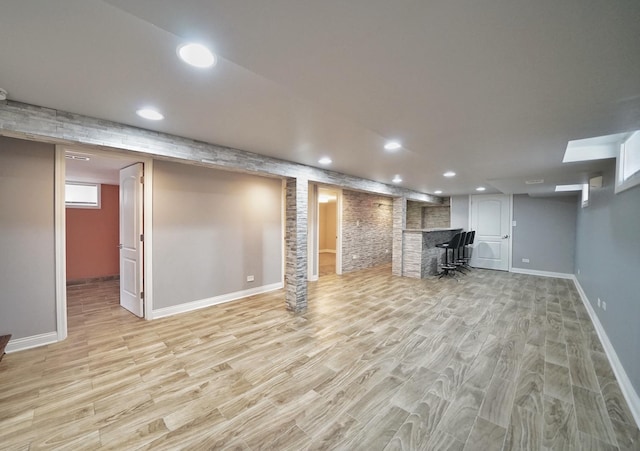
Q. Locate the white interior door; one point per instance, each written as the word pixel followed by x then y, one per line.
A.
pixel 131 239
pixel 490 218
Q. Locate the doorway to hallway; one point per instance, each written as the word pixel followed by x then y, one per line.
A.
pixel 327 231
pixel 102 216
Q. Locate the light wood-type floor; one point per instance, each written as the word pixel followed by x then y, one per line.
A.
pixel 327 263
pixel 493 361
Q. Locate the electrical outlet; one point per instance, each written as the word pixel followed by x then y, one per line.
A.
pixel 578 271
pixel 598 302
pixel 604 306
pixel 525 260
pixel 513 223
pixel 250 278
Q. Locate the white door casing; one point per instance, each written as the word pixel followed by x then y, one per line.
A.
pixel 491 219
pixel 313 227
pixel 131 239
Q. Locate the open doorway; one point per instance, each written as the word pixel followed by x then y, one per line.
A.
pixel 327 231
pixel 100 211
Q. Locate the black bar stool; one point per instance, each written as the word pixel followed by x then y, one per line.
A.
pixel 459 252
pixel 466 250
pixel 449 268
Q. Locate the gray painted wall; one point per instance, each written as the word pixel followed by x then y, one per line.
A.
pixel 544 233
pixel 460 212
pixel 212 229
pixel 608 259
pixel 27 261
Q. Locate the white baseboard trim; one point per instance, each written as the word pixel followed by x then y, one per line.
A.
pixel 203 303
pixel 34 341
pixel 535 272
pixel 632 398
pixel 313 278
pixel 327 251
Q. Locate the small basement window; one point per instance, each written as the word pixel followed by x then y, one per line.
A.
pixel 82 195
pixel 628 164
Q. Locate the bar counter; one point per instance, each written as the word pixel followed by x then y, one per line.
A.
pixel 420 256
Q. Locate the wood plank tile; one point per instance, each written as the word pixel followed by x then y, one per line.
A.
pixel 486 436
pixel 417 429
pixel 248 374
pixel 379 431
pixel 583 374
pixel 441 441
pixel 627 435
pixel 556 352
pixel 560 431
pixel 557 382
pixel 614 400
pixel 592 415
pixel 373 399
pixel 412 391
pixel 460 416
pixel 529 391
pixel 587 442
pixel 524 431
pixel 498 401
pixel 335 433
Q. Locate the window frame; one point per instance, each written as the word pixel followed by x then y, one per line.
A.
pixel 89 205
pixel 623 184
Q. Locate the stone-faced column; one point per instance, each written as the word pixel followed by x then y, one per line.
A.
pixel 297 192
pixel 399 224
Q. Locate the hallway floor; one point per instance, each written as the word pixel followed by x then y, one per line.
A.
pixel 327 263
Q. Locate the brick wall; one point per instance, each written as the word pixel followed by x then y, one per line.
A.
pixel 437 217
pixel 414 215
pixel 367 221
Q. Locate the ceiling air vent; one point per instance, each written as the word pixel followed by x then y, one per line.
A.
pixel 534 182
pixel 76 156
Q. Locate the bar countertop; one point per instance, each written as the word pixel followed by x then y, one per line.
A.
pixel 436 229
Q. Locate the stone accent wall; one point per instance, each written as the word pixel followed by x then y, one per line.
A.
pixel 412 255
pixel 399 223
pixel 414 215
pixel 437 217
pixel 366 230
pixel 297 192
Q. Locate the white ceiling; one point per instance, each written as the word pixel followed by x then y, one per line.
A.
pixel 493 90
pixel 101 167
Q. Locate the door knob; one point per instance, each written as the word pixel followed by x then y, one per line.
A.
pixel 505 237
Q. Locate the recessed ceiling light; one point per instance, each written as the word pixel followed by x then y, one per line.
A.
pixel 397 179
pixel 196 55
pixel 392 145
pixel 150 113
pixel 325 160
pixel 438 191
pixel 480 188
pixel 449 174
